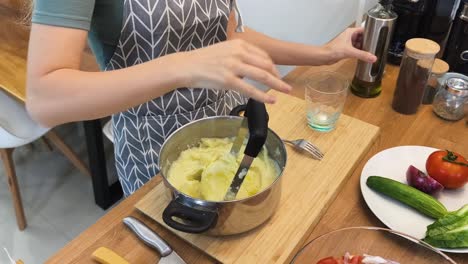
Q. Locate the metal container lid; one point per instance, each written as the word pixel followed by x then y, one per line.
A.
pixel 383 11
pixel 443 80
pixel 457 86
pixel 422 46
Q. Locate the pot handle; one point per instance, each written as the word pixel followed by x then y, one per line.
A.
pixel 237 111
pixel 195 221
pixel 257 118
pixel 252 104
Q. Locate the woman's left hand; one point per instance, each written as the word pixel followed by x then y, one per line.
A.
pixel 348 45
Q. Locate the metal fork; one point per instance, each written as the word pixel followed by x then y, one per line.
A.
pixel 302 144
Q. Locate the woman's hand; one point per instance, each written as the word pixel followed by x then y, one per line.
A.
pixel 224 65
pixel 348 45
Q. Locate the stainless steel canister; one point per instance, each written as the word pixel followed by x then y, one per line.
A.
pixel 377 35
pixel 367 81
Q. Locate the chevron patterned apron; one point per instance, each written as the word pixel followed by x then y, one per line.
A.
pixel 151 29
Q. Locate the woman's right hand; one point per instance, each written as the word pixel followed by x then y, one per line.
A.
pixel 224 65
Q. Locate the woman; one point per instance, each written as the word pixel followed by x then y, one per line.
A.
pixel 165 63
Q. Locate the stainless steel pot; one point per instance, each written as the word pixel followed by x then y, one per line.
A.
pixel 191 215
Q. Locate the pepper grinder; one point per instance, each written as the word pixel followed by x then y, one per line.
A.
pixel 378 31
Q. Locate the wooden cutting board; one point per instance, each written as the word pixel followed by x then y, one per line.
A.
pixel 309 186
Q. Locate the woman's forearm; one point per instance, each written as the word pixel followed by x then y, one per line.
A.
pixel 67 95
pixel 287 53
pixel 59 92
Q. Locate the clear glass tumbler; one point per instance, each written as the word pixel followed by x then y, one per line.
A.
pixel 325 96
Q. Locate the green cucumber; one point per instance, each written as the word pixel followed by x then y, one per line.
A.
pixel 408 195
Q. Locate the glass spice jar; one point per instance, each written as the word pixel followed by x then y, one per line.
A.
pixel 439 68
pixel 450 102
pixel 415 70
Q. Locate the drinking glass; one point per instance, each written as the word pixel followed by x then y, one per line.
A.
pixel 325 96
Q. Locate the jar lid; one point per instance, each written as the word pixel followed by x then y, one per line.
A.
pixel 457 86
pixel 425 64
pixel 440 67
pixel 422 46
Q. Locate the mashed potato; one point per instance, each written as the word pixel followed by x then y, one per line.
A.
pixel 206 171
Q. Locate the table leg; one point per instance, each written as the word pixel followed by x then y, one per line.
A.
pixel 104 195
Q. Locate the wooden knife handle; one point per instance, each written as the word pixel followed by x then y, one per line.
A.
pixel 104 255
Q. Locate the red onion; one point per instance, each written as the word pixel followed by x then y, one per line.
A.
pixel 422 182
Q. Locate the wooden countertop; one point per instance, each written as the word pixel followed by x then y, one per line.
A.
pixel 14 67
pixel 348 209
pixel 14 38
pixel 13 49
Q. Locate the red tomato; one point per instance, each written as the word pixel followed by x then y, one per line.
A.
pixel 356 260
pixel 448 168
pixel 329 260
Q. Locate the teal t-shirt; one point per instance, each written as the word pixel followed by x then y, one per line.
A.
pixel 102 18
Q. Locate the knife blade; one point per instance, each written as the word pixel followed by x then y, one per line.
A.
pixel 243 128
pixel 241 135
pixel 150 238
pixel 257 118
pixel 239 178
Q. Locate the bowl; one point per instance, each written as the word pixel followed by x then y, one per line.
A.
pixel 375 241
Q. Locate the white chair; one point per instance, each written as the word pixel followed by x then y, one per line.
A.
pixel 107 130
pixel 18 129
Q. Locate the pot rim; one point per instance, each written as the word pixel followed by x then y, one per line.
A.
pixel 204 202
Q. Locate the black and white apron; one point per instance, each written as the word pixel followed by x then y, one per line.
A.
pixel 151 29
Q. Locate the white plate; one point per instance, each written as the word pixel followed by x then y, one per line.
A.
pixel 393 163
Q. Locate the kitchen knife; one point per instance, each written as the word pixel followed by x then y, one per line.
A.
pixel 105 255
pixel 243 129
pixel 168 256
pixel 241 135
pixel 257 119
